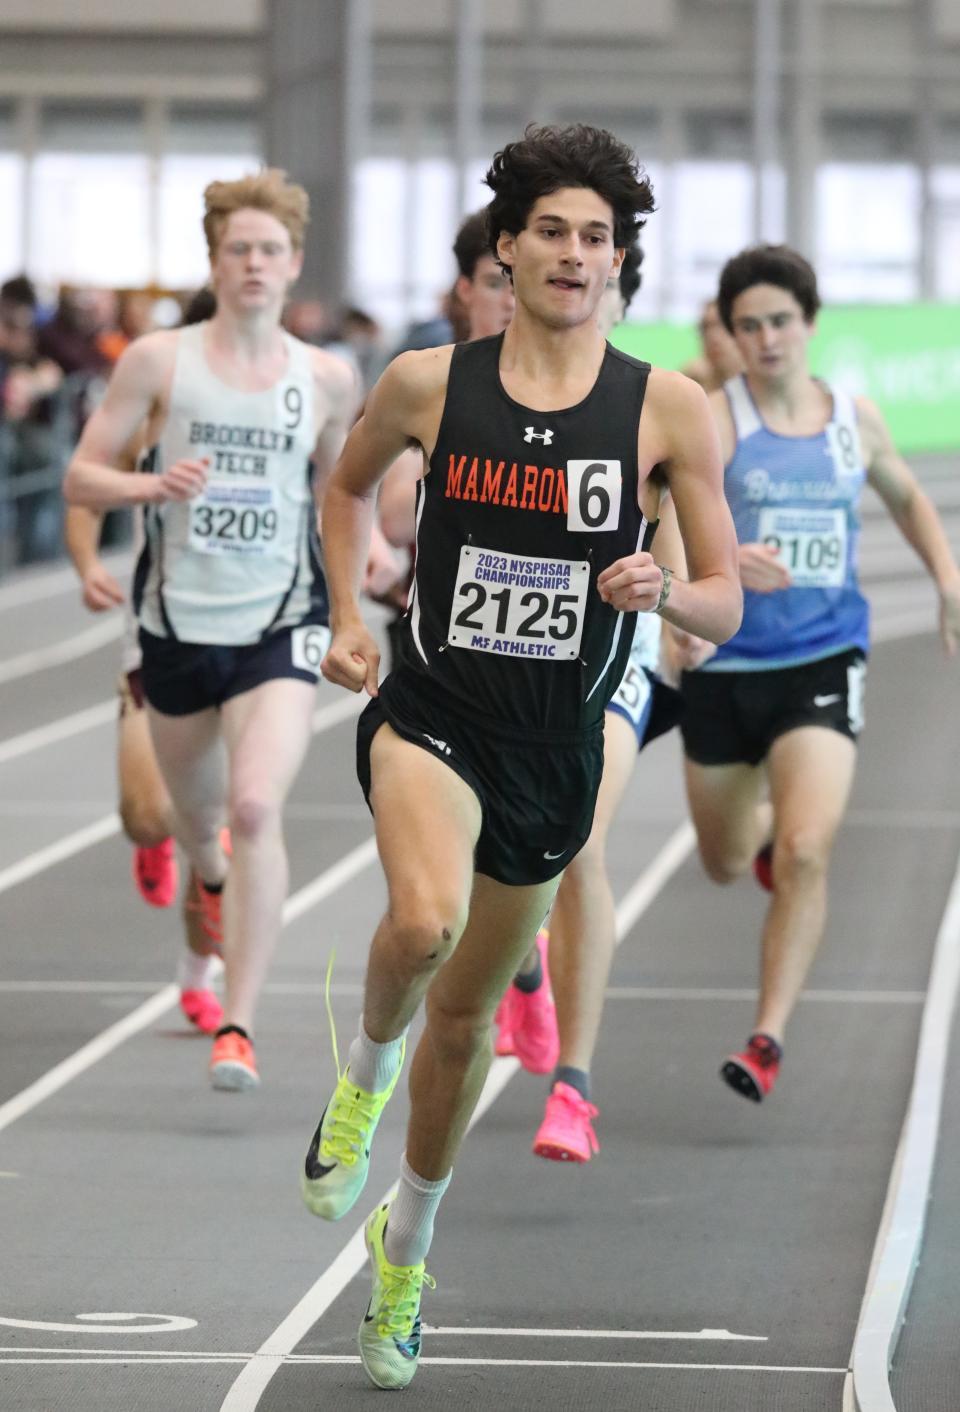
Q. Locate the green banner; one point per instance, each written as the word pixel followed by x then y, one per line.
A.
pixel 906 357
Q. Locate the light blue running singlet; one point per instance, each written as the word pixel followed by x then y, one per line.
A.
pixel 800 493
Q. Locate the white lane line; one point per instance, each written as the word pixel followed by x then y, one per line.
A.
pixel 828 997
pixel 145 1015
pixel 40 736
pixel 245 1394
pixel 351 1359
pixel 88 1055
pixel 707 1335
pixel 40 659
pixel 91 716
pixel 58 852
pixel 901 1233
pixel 324 719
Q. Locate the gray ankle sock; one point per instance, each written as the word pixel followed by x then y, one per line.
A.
pixel 576 1078
pixel 411 1216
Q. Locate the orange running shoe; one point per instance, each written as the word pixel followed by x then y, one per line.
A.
pixel 155 873
pixel 233 1067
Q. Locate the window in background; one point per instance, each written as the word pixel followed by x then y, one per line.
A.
pixel 434 227
pixel 378 244
pixel 946 231
pixel 11 189
pixel 710 218
pixel 868 232
pixel 90 219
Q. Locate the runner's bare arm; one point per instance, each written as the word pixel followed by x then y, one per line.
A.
pixel 677 431
pixel 337 393
pixel 134 391
pixel 914 514
pixel 681 651
pixel 82 528
pixel 401 411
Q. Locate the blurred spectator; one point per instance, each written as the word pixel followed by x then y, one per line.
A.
pixel 200 307
pixel 429 333
pixel 359 339
pixel 134 318
pixel 71 336
pixel 308 320
pixel 34 436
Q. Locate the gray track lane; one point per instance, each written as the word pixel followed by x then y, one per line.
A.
pixel 137 1190
pixel 702 1211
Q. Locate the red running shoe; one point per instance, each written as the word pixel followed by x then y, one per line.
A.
pixel 566 1133
pixel 763 867
pixel 155 873
pixel 753 1072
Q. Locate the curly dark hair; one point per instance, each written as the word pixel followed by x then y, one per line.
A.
pixel 630 276
pixel 471 243
pixel 778 265
pixel 547 159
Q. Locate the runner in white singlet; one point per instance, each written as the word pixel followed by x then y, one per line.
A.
pixel 243 423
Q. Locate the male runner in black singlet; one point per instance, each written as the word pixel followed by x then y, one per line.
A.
pixel 481 755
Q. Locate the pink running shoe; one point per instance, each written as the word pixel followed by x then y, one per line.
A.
pixel 503 1019
pixel 566 1133
pixel 155 873
pixel 533 1017
pixel 203 1009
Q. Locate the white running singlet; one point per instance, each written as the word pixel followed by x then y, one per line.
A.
pixel 241 559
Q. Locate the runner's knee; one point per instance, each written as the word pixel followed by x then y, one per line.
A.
pixel 252 815
pixel 145 822
pixel 723 865
pixel 801 851
pixel 425 930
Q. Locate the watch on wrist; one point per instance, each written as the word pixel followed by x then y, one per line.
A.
pixel 664 588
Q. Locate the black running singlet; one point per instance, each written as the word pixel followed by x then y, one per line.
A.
pixel 520 512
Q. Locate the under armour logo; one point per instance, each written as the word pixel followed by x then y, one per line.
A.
pixel 530 435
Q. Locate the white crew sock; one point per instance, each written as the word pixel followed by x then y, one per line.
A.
pixel 373 1065
pixel 411 1216
pixel 194 972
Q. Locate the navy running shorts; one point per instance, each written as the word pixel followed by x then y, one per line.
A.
pixel 180 678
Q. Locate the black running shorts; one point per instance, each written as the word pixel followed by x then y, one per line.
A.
pixel 537 792
pixel 180 678
pixel 734 717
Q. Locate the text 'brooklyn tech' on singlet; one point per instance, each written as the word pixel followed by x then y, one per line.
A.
pixel 801 494
pixel 242 559
pixel 519 513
